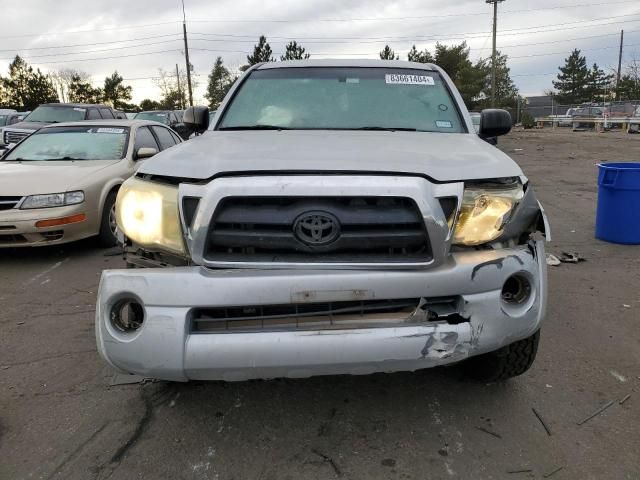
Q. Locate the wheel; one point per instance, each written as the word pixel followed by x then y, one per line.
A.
pixel 509 361
pixel 108 226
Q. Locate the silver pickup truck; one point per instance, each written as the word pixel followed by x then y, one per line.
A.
pixel 337 217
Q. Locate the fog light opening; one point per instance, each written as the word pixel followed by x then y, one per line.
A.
pixel 516 290
pixel 127 315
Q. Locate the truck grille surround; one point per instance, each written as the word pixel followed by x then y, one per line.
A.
pixel 317 229
pixel 11 136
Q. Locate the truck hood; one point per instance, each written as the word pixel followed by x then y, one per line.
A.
pixel 26 126
pixel 441 156
pixel 19 179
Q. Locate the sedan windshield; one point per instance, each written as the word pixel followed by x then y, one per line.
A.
pixel 153 116
pixel 50 114
pixel 339 98
pixel 72 143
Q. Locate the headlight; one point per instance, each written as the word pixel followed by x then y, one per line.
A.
pixel 147 213
pixel 49 200
pixel 484 212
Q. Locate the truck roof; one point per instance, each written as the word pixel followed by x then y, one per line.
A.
pixel 330 62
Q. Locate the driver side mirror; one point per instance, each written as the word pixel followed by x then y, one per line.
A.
pixel 494 122
pixel 145 152
pixel 196 119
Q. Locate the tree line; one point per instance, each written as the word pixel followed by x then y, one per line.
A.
pixel 578 83
pixel 25 87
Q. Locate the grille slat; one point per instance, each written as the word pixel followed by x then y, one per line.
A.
pixel 372 229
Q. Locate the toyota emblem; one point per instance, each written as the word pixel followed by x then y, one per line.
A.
pixel 316 228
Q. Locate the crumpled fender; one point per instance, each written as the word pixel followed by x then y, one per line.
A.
pixel 528 217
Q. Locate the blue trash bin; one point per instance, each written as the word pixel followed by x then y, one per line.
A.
pixel 618 215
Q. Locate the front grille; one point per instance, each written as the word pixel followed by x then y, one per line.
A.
pixel 14 137
pixel 266 229
pixel 341 315
pixel 7 203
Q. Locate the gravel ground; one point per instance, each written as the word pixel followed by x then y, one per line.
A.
pixel 60 419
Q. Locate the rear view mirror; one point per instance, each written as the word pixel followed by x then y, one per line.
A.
pixel 494 122
pixel 196 119
pixel 145 152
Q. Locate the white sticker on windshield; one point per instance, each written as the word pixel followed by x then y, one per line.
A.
pixel 80 109
pixel 443 124
pixel 110 130
pixel 398 79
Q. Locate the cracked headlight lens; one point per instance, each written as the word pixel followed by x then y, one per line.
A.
pixel 484 212
pixel 49 200
pixel 147 213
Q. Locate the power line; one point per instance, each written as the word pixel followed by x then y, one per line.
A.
pixel 125 27
pixel 91 44
pixel 564 53
pixel 95 51
pixel 404 18
pixel 108 58
pixel 463 35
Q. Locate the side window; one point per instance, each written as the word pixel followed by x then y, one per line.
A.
pixel 93 114
pixel 164 137
pixel 106 113
pixel 172 118
pixel 144 139
pixel 175 136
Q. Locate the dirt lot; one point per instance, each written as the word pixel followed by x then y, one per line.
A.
pixel 59 418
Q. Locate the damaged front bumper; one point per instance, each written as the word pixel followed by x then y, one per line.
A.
pixel 170 345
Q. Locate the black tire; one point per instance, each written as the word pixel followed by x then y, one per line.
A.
pixel 107 236
pixel 509 361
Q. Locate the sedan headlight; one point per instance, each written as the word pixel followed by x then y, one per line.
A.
pixel 49 200
pixel 147 213
pixel 484 212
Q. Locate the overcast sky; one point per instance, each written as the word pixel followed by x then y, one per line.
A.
pixel 540 33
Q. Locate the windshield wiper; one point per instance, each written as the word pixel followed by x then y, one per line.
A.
pixel 255 127
pixel 386 129
pixel 64 158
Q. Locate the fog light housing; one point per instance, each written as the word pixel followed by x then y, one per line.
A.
pixel 127 315
pixel 516 290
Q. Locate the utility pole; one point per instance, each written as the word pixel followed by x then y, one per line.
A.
pixel 619 64
pixel 186 54
pixel 493 55
pixel 179 89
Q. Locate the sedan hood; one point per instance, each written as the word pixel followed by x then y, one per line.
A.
pixel 31 178
pixel 441 156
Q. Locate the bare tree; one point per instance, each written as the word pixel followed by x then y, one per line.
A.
pixel 63 78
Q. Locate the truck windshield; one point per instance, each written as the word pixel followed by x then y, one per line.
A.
pixel 72 143
pixel 340 98
pixel 161 117
pixel 49 114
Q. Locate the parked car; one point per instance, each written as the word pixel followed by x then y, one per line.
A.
pixel 167 117
pixel 60 184
pixel 10 118
pixel 340 217
pixel 53 113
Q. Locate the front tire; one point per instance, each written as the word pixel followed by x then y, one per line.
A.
pixel 108 227
pixel 507 362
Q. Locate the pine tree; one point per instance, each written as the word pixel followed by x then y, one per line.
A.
pixel 220 82
pixel 82 91
pixel 114 90
pixel 27 88
pixel 598 84
pixel 573 79
pixel 421 57
pixel 387 54
pixel 261 53
pixel 506 90
pixel 294 52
